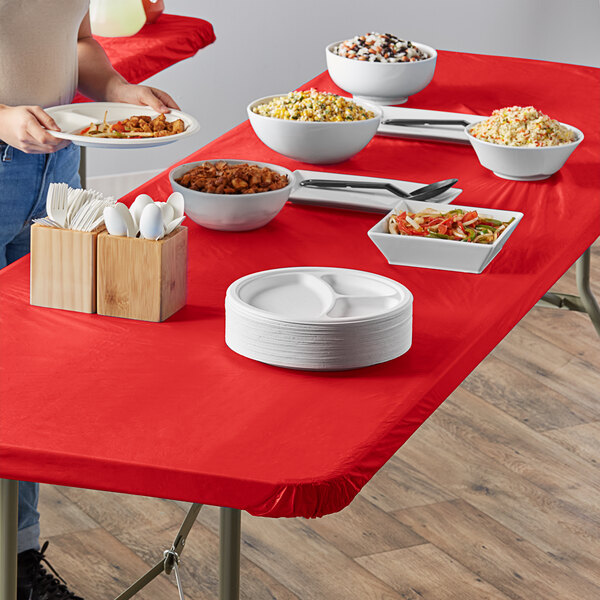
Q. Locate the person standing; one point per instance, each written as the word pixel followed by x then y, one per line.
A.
pixel 47 52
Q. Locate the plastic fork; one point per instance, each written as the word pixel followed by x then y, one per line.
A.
pixel 57 203
pixel 77 199
pixel 47 222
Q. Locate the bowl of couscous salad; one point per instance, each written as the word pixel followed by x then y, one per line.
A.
pixel 380 67
pixel 312 126
pixel 522 143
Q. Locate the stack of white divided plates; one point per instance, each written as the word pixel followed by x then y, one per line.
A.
pixel 318 318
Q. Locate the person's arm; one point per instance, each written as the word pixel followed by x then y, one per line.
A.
pixel 25 128
pixel 99 81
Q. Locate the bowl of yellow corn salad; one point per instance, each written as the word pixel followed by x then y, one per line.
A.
pixel 522 143
pixel 314 127
pixel 381 68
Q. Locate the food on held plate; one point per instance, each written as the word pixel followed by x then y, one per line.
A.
pixel 522 126
pixel 224 178
pixel 378 47
pixel 457 224
pixel 135 127
pixel 311 105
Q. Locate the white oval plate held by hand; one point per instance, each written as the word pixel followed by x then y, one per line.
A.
pixel 74 118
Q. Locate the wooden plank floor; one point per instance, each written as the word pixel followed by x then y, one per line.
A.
pixel 497 496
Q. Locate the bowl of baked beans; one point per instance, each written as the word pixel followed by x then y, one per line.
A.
pixel 232 195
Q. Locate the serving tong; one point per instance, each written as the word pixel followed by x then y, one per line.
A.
pixel 425 122
pixel 422 193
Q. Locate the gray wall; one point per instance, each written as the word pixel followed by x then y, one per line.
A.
pixel 272 46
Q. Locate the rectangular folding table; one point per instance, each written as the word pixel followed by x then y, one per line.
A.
pixel 167 410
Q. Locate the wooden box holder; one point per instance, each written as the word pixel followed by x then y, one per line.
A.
pixel 142 279
pixel 63 268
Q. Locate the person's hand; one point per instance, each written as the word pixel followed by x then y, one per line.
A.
pixel 143 95
pixel 26 128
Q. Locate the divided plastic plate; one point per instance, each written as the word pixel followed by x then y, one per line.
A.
pixel 319 295
pixel 72 118
pixel 318 318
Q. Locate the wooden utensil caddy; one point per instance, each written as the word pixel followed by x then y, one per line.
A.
pixel 63 268
pixel 115 276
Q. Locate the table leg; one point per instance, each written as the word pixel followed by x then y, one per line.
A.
pixel 585 302
pixel 229 563
pixel 170 558
pixel 82 166
pixel 582 274
pixel 9 508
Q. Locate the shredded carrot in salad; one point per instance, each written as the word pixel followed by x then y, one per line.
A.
pixel 456 224
pixel 518 126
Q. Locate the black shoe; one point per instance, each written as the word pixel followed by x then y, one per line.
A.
pixel 35 583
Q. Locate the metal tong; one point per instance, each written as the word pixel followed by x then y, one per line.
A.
pixel 423 193
pixel 419 122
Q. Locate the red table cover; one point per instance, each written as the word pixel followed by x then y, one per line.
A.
pixel 168 410
pixel 172 38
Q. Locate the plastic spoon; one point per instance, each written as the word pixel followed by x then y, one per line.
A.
pixel 138 206
pixel 115 224
pixel 177 202
pixel 168 213
pixel 127 218
pixel 151 222
pixel 172 225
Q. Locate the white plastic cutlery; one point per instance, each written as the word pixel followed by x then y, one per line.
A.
pixel 85 210
pixel 57 203
pixel 76 209
pixel 115 224
pixel 138 206
pixel 177 202
pixel 125 214
pixel 151 220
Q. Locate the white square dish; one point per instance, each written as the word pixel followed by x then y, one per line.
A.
pixel 433 253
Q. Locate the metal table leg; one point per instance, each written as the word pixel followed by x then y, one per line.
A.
pixel 585 302
pixel 9 508
pixel 82 166
pixel 170 559
pixel 582 273
pixel 229 563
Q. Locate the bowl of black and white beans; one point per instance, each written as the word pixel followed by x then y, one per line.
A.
pixel 381 68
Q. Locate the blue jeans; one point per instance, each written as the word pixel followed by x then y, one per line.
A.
pixel 28 534
pixel 24 181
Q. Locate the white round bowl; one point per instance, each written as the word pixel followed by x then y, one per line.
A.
pixel 231 212
pixel 378 82
pixel 523 163
pixel 316 142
